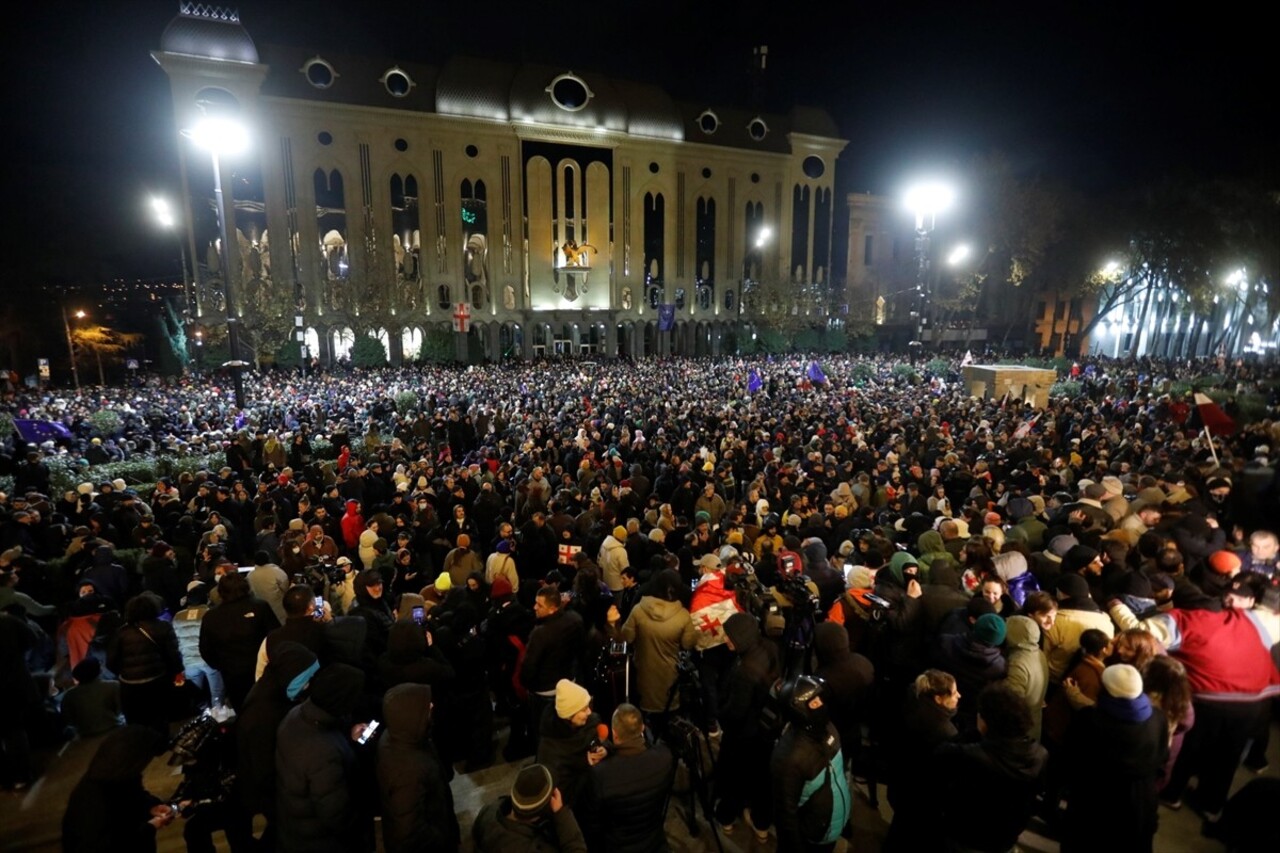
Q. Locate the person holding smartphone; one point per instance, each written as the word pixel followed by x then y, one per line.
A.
pixel 307 621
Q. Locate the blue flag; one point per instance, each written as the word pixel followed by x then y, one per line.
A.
pixel 37 432
pixel 666 317
pixel 754 383
pixel 815 373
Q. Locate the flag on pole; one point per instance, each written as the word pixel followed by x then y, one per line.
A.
pixel 815 373
pixel 1216 421
pixel 754 382
pixel 666 317
pixel 968 358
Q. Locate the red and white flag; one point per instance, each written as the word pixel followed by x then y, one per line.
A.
pixel 1025 427
pixel 711 607
pixel 1214 419
pixel 462 318
pixel 968 358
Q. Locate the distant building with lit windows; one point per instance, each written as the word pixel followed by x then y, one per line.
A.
pixel 560 210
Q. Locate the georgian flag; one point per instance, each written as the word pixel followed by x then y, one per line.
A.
pixel 565 554
pixel 1214 419
pixel 711 607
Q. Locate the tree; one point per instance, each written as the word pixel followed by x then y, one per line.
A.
pixel 367 351
pixel 105 344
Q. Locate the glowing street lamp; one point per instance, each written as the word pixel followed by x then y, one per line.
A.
pixel 71 347
pixel 221 135
pixel 958 255
pixel 925 200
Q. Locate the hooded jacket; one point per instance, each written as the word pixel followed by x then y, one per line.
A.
pixel 352 525
pixel 290 668
pixel 417 803
pixel 376 612
pixel 745 687
pixel 1028 666
pixel 107 575
pixel 612 559
pixel 659 629
pixel 1004 770
pixel 408 659
pixel 850 678
pixel 315 767
pixel 811 794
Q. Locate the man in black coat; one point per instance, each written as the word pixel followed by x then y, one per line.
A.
pixel 624 799
pixel 811 799
pixel 926 724
pixel 316 767
pixel 283 684
pixel 849 677
pixel 552 654
pixel 745 750
pixel 109 809
pixel 417 803
pixel 231 633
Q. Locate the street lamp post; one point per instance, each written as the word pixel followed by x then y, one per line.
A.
pixel 925 201
pixel 219 134
pixel 71 346
pixel 166 219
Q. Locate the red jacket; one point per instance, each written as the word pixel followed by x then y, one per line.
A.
pixel 1227 654
pixel 352 524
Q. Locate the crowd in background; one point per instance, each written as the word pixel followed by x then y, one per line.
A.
pixel 1061 616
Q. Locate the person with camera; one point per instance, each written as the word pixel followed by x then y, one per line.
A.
pixel 534 817
pixel 811 798
pixel 624 799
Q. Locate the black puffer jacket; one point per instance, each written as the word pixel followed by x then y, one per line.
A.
pixel 409 660
pixel 622 803
pixel 144 651
pixel 554 647
pixel 316 767
pixel 850 678
pixel 417 803
pixel 811 797
pixel 231 633
pixel 746 685
pixel 264 708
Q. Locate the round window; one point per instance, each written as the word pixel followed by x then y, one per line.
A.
pixel 324 137
pixel 757 129
pixel 569 92
pixel 814 167
pixel 397 82
pixel 755 177
pixel 706 173
pixel 319 73
pixel 653 167
pixel 709 122
pixel 401 144
pixel 472 151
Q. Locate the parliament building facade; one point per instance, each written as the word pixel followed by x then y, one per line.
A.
pixel 550 210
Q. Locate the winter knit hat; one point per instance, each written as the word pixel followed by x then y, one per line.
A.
pixel 444 583
pixel 500 587
pixel 989 629
pixel 620 533
pixel 1224 562
pixel 570 698
pixel 1122 681
pixel 464 541
pixel 531 791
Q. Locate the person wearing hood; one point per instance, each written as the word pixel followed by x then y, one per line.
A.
pixel 1028 667
pixel 746 744
pixel 975 659
pixel 933 554
pixel 613 559
pixel 659 627
pixel 316 766
pixel 417 803
pixel 410 659
pixel 108 576
pixel 830 582
pixel 352 526
pixel 1115 753
pixel 1077 613
pixel 811 799
pixel 109 810
pixel 850 679
pixel 1004 767
pixel 283 685
pixel 371 605
pixel 232 632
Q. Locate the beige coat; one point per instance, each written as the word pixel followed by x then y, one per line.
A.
pixel 659 629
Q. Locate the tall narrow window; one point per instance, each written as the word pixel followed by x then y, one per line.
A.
pixel 475 243
pixel 654 223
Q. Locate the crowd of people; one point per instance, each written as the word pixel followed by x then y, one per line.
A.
pixel 609 572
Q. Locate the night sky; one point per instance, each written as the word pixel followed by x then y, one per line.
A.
pixel 1102 99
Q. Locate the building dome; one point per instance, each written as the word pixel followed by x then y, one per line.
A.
pixel 209 32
